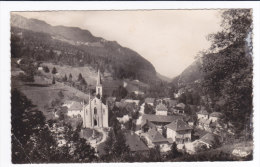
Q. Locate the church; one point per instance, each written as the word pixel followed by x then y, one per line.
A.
pixel 95 113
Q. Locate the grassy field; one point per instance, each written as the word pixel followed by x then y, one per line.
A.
pixel 88 73
pixel 42 93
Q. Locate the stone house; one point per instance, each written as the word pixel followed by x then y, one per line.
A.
pixel 179 131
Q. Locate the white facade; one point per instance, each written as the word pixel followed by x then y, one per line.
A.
pixel 203 116
pixel 213 119
pixel 184 135
pixel 161 113
pixel 75 113
pixel 95 113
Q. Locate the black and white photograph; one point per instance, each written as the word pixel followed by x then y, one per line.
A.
pixel 129 86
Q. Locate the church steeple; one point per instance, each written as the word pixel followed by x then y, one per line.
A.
pixel 98 78
pixel 99 85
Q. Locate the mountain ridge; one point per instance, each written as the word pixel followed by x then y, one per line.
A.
pixel 126 63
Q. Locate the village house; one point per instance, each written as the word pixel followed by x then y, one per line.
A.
pixel 210 140
pixel 155 138
pixel 215 116
pixel 179 131
pixel 161 109
pixel 136 102
pixel 136 145
pixel 138 92
pixel 203 114
pixel 180 92
pixel 149 101
pixel 179 108
pixel 146 125
pixel 160 120
pixel 171 103
pixel 74 108
pixel 205 124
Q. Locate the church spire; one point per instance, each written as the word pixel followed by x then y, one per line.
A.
pixel 99 78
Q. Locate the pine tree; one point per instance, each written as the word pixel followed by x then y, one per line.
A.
pixel 53 80
pixel 65 78
pixel 80 77
pixel 54 70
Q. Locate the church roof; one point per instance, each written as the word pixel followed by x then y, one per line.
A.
pixel 156 136
pixel 178 125
pixel 161 107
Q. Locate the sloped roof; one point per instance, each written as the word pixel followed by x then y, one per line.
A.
pixel 161 107
pixel 181 105
pixel 178 125
pixel 120 104
pixel 216 114
pixel 172 102
pixel 147 122
pixel 208 138
pixel 149 100
pixel 160 118
pixel 205 121
pixel 203 112
pixel 156 136
pixel 135 143
pixel 73 105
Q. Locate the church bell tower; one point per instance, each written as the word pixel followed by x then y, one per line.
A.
pixel 99 85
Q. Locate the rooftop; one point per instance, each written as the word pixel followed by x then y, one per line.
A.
pixel 135 143
pixel 156 136
pixel 161 107
pixel 208 138
pixel 216 114
pixel 203 112
pixel 160 118
pixel 181 105
pixel 178 125
pixel 149 100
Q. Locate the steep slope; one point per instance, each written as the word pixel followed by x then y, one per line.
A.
pixel 189 75
pixel 163 78
pixel 76 47
pixel 69 33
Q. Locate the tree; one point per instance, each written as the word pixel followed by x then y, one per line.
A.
pixel 53 80
pixel 65 79
pixel 148 109
pixel 154 154
pixel 174 153
pixel 80 77
pixel 115 147
pixel 46 69
pixel 54 70
pixel 31 140
pixel 70 77
pixel 227 66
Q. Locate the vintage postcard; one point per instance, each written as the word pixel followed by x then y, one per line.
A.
pixel 131 86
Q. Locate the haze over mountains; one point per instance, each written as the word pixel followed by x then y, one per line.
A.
pixel 131 64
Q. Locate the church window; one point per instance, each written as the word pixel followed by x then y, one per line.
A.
pixel 103 111
pixel 95 110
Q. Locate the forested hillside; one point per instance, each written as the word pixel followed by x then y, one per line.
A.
pixel 223 74
pixel 72 46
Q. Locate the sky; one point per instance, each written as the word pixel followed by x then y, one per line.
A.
pixel 169 39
